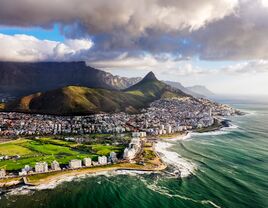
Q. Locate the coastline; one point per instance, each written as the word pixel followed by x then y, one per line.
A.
pixel 56 176
pixel 160 163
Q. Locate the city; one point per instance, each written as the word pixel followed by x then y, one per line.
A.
pixel 179 114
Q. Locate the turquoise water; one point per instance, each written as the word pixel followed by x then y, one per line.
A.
pixel 232 173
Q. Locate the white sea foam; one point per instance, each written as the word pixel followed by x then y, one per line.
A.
pixel 249 112
pixel 23 190
pixel 224 130
pixel 167 192
pixel 180 137
pixel 27 190
pixel 212 133
pixel 132 172
pixel 184 166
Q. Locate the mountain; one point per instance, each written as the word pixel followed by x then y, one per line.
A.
pixel 18 79
pixel 152 88
pixel 72 100
pixel 202 90
pixel 184 89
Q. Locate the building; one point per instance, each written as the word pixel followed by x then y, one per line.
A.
pixel 133 149
pixel 143 134
pixel 2 173
pixel 23 172
pixel 129 153
pixel 113 157
pixel 41 167
pixel 135 134
pixel 138 134
pixel 169 129
pixel 55 165
pixel 95 163
pixel 73 164
pixel 27 168
pixel 87 162
pixel 102 160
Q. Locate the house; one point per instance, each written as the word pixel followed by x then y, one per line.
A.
pixel 41 167
pixel 73 164
pixel 102 160
pixel 113 157
pixel 2 173
pixel 87 162
pixel 55 165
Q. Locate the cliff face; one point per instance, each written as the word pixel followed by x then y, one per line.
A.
pixel 25 78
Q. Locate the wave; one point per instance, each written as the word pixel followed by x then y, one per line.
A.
pixel 166 192
pixel 23 190
pixel 180 137
pixel 222 131
pixel 28 190
pixel 173 159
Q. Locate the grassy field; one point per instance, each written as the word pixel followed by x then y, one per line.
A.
pixel 148 154
pixel 11 149
pixel 49 149
pixel 106 149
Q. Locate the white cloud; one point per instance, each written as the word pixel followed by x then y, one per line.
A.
pixel 28 48
pixel 167 64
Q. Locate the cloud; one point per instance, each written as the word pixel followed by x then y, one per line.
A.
pixel 241 36
pixel 29 48
pixel 101 16
pixel 248 67
pixel 168 65
pixel 117 25
pixel 208 29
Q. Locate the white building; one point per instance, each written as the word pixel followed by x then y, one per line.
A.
pixel 129 154
pixel 2 173
pixel 23 172
pixel 143 134
pixel 169 129
pixel 135 134
pixel 87 162
pixel 113 157
pixel 138 134
pixel 41 167
pixel 55 165
pixel 134 147
pixel 27 168
pixel 73 164
pixel 102 160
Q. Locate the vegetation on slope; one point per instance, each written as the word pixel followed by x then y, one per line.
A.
pixel 83 100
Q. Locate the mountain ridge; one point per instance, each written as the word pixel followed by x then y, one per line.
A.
pixel 201 89
pixel 76 100
pixel 21 78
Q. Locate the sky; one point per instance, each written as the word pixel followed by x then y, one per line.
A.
pixel 221 44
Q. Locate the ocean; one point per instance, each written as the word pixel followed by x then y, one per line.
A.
pixel 226 168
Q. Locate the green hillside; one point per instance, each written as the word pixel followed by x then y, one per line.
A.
pixel 82 100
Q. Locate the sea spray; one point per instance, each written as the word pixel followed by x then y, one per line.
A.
pixel 174 160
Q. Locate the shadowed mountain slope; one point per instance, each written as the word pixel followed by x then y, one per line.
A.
pixel 83 100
